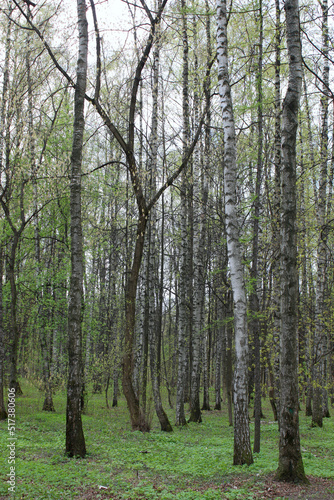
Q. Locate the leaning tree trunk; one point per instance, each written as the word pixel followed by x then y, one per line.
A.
pixel 242 446
pixel 75 440
pixel 290 466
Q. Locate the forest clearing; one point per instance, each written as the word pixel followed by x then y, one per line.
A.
pixel 192 463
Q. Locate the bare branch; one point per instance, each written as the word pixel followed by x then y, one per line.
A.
pixel 98 54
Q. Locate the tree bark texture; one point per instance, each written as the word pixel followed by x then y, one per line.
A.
pixel 290 466
pixel 3 412
pixel 242 446
pixel 320 336
pixel 75 441
pixel 276 219
pixel 255 324
pixel 198 261
pixel 183 330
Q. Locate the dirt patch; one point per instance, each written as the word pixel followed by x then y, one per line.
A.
pixel 94 493
pixel 267 488
pixel 263 489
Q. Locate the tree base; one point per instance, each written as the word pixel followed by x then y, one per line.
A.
pixel 317 423
pixel 142 426
pixel 308 411
pixel 291 474
pixel 244 459
pixel 195 415
pixel 17 387
pixel 48 404
pixel 166 427
pixel 181 422
pixel 3 414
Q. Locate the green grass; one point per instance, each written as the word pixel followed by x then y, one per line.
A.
pixel 191 463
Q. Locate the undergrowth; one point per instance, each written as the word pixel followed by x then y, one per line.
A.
pixel 191 463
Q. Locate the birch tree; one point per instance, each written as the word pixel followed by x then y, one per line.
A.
pixel 320 337
pixel 183 332
pixel 290 465
pixel 242 446
pixel 75 441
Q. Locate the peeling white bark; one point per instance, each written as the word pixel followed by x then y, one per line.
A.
pixel 242 446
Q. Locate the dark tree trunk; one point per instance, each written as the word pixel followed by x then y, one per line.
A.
pixel 290 466
pixel 3 412
pixel 13 376
pixel 254 299
pixel 138 419
pixel 75 441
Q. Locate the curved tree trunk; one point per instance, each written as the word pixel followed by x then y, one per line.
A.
pixel 138 419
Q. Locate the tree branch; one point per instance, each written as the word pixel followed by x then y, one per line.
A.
pixel 98 54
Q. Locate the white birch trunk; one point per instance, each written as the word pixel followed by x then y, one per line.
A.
pixel 183 313
pixel 198 267
pixel 320 340
pixel 242 446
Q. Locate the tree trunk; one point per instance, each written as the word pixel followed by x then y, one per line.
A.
pixel 75 441
pixel 242 447
pixel 198 264
pixel 255 325
pixel 13 376
pixel 183 303
pixel 290 466
pixel 276 220
pixel 3 412
pixel 154 334
pixel 320 337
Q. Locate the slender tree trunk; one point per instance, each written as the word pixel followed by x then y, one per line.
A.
pixel 198 264
pixel 154 340
pixel 204 179
pixel 255 325
pixel 320 339
pixel 228 365
pixel 15 330
pixel 3 412
pixel 75 441
pixel 138 419
pixel 276 219
pixel 218 360
pixel 183 303
pixel 290 466
pixel 242 446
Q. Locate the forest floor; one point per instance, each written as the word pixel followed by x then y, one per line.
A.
pixel 191 463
